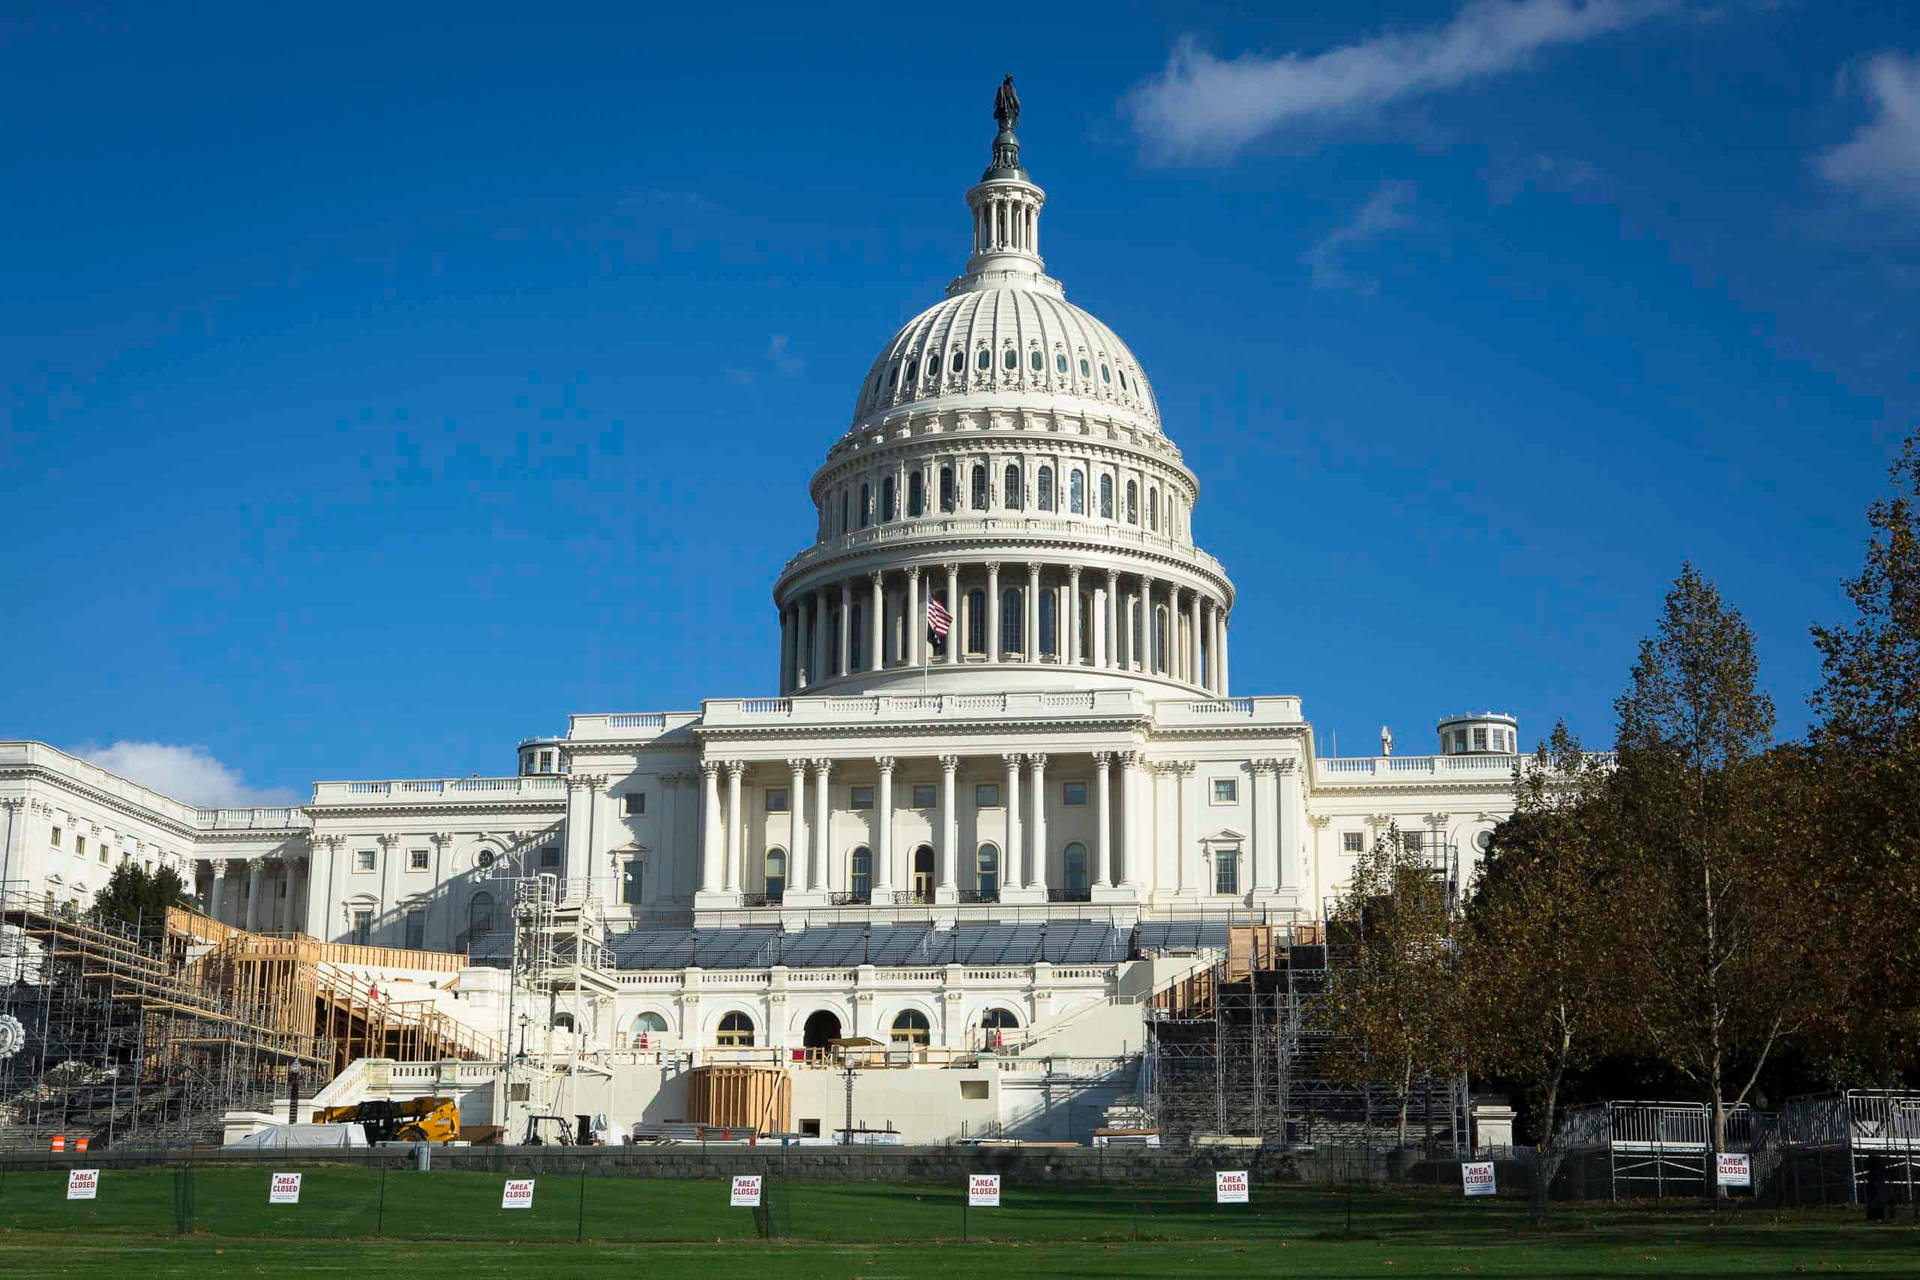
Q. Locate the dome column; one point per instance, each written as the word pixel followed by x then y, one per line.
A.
pixel 914 630
pixel 841 667
pixel 876 622
pixel 817 638
pixel 1030 613
pixel 993 609
pixel 1071 652
pixel 1110 646
pixel 1150 658
pixel 1224 669
pixel 954 635
pixel 1193 640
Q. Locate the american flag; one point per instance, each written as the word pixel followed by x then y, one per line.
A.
pixel 939 621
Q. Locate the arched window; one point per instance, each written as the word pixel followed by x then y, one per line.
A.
pixel 886 500
pixel 1134 649
pixel 1076 864
pixel 1159 639
pixel 1153 509
pixel 649 1025
pixel 1049 623
pixel 984 361
pixel 1133 503
pixel 1123 379
pixel 1044 498
pixel 1106 497
pixel 998 1020
pixel 1010 488
pixel 563 1022
pixel 1012 625
pixel 979 486
pixel 910 1029
pixel 480 915
pixel 1077 493
pixel 736 1030
pixel 1106 374
pixel 1086 370
pixel 1034 361
pixel 856 636
pixel 776 874
pixel 986 872
pixel 1086 629
pixel 866 504
pixel 1009 359
pixel 1059 362
pixel 933 367
pixel 946 489
pixel 913 372
pixel 916 495
pixel 976 621
pixel 893 379
pixel 860 873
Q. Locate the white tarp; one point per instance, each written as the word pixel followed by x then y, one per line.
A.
pixel 280 1136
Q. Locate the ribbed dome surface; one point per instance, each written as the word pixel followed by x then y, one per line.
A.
pixel 994 343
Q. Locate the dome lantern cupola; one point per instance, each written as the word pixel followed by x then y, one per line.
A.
pixel 1006 214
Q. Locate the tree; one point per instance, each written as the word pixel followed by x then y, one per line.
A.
pixel 1539 993
pixel 1714 865
pixel 1392 1003
pixel 137 898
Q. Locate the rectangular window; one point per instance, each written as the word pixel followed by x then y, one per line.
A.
pixel 416 930
pixel 1353 842
pixel 79 846
pixel 56 837
pixel 630 876
pixel 925 795
pixel 776 799
pixel 1459 739
pixel 1073 793
pixel 362 926
pixel 1226 873
pixel 550 856
pixel 862 798
pixel 416 859
pixel 636 803
pixel 1479 739
pixel 363 859
pixel 809 1128
pixel 1411 841
pixel 986 795
pixel 1226 790
pixel 546 762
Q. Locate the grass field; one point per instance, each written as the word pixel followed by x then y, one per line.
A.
pixel 343 1226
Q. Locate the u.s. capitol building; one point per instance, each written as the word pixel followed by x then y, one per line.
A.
pixel 914 834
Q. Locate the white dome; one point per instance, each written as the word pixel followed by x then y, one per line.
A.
pixel 1017 340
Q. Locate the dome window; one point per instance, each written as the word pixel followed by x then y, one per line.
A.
pixel 979 486
pixel 1133 503
pixel 1077 493
pixel 913 371
pixel 1044 497
pixel 1059 362
pixel 1010 359
pixel 1012 487
pixel 1123 379
pixel 1106 497
pixel 984 361
pixel 866 505
pixel 893 382
pixel 1106 375
pixel 916 495
pixel 1086 370
pixel 1034 360
pixel 933 368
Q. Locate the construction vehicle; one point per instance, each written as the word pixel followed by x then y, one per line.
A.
pixel 414 1120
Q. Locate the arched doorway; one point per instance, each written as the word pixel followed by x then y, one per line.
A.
pixel 821 1027
pixel 923 873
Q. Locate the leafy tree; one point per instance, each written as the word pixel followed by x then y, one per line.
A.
pixel 137 898
pixel 1394 1007
pixel 1540 990
pixel 1718 892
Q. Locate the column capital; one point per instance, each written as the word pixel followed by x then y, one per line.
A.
pixel 798 766
pixel 1073 572
pixel 1175 768
pixel 1101 759
pixel 390 839
pixel 876 576
pixel 735 768
pixel 442 838
pixel 992 567
pixel 950 764
pixel 710 768
pixel 1012 759
pixel 885 764
pixel 1286 765
pixel 257 865
pixel 1129 758
pixel 1438 819
pixel 1113 578
pixel 913 573
pixel 952 567
pixel 822 766
pixel 1037 760
pixel 1033 568
pixel 1320 820
pixel 1264 765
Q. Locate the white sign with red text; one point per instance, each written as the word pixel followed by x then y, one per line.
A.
pixel 1735 1170
pixel 517 1194
pixel 983 1190
pixel 83 1184
pixel 1230 1186
pixel 285 1189
pixel 1476 1177
pixel 746 1191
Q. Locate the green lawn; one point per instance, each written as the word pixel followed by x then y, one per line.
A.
pixel 676 1228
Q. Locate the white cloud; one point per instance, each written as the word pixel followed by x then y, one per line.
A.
pixel 1200 104
pixel 1385 210
pixel 783 360
pixel 1882 161
pixel 187 773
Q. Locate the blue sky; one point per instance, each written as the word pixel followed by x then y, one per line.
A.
pixel 382 387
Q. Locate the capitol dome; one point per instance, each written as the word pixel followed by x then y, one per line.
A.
pixel 1005 479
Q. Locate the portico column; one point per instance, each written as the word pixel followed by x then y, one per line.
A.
pixel 1266 841
pixel 1037 823
pixel 1070 652
pixel 1193 646
pixel 1225 683
pixel 1181 771
pixel 223 892
pixel 993 611
pixel 1291 811
pixel 1132 810
pixel 297 895
pixel 949 823
pixel 710 826
pixel 1030 613
pixel 254 868
pixel 796 821
pixel 1150 658
pixel 955 636
pixel 914 627
pixel 876 623
pixel 843 666
pixel 883 836
pixel 822 825
pixel 736 827
pixel 1103 820
pixel 1011 800
pixel 1112 655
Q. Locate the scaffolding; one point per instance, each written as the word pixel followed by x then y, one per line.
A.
pixel 1835 1146
pixel 1635 1149
pixel 1238 1050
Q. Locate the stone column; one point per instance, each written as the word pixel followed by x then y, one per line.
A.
pixel 1112 655
pixel 1214 685
pixel 1103 820
pixel 1030 614
pixel 1010 873
pixel 1291 811
pixel 1183 851
pixel 993 611
pixel 1225 683
pixel 1037 824
pixel 843 666
pixel 786 651
pixel 579 802
pixel 822 825
pixel 949 824
pixel 732 877
pixel 1070 651
pixel 297 894
pixel 1266 810
pixel 1133 811
pixel 223 892
pixel 710 854
pixel 1193 639
pixel 877 622
pixel 1150 658
pixel 883 833
pixel 914 630
pixel 817 638
pixel 255 867
pixel 796 823
pixel 955 635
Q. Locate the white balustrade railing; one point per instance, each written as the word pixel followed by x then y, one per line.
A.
pixel 546 788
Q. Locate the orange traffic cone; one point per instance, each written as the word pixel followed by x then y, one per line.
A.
pixel 80 1145
pixel 59 1143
